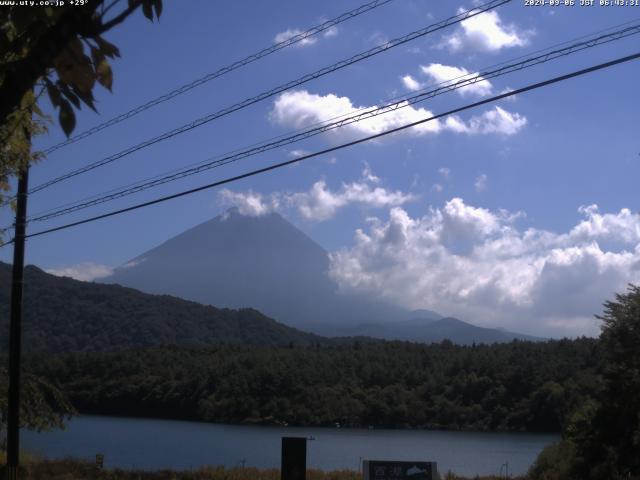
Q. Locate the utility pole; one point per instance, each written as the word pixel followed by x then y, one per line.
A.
pixel 15 328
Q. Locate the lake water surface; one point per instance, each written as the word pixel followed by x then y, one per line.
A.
pixel 156 444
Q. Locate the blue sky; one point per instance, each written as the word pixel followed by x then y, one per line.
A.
pixel 520 214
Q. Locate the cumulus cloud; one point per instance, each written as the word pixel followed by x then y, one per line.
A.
pixel 497 120
pixel 445 74
pixel 445 172
pixel 411 83
pixel 300 109
pixel 487 32
pixel 251 204
pixel 477 264
pixel 480 183
pixel 321 203
pixel 307 41
pixel 511 98
pixel 297 153
pixel 292 32
pixel 86 271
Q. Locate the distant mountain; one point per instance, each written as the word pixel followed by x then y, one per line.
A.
pixel 438 329
pixel 423 314
pixel 260 262
pixel 66 315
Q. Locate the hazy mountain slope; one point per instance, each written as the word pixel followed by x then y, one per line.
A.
pixel 260 262
pixel 62 315
pixel 436 330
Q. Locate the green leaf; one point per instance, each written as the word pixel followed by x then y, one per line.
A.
pixel 86 97
pixel 54 94
pixel 37 110
pixel 109 49
pixel 157 4
pixel 102 68
pixel 104 74
pixel 64 88
pixel 67 117
pixel 76 49
pixel 147 9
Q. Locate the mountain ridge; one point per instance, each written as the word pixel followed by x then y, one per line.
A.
pixel 262 262
pixel 64 315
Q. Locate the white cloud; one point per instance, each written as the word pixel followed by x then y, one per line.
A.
pixel 368 175
pixel 485 32
pixel 511 98
pixel 480 183
pixel 321 203
pixel 297 153
pixel 497 120
pixel 300 109
pixel 436 187
pixel 86 271
pixel 445 74
pixel 251 204
pixel 476 264
pixel 445 172
pixel 411 83
pixel 307 41
pixel 330 32
pixel 292 32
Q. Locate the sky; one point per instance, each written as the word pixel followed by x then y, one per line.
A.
pixel 520 214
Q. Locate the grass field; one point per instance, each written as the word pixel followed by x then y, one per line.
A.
pixel 73 469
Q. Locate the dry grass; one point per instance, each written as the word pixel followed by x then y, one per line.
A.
pixel 73 469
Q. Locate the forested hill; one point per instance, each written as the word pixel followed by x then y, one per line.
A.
pixel 66 315
pixel 511 386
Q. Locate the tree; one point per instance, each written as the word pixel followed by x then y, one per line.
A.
pixel 44 406
pixel 607 433
pixel 60 50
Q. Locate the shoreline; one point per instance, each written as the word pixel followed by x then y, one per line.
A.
pixel 328 427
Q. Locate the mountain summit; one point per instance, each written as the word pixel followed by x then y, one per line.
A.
pixel 261 262
pixel 264 262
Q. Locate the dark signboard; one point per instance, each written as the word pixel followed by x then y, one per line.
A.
pixel 393 470
pixel 294 458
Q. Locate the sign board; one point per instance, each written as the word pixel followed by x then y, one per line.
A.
pixel 393 470
pixel 294 458
pixel 99 460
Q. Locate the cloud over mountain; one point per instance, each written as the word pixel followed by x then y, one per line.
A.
pixel 85 271
pixel 476 263
pixel 320 202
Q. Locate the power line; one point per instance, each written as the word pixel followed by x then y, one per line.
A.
pixel 518 91
pixel 222 71
pixel 270 93
pixel 590 36
pixel 446 87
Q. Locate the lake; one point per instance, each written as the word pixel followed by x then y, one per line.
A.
pixel 156 444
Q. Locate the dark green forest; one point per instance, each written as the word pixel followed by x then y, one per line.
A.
pixel 516 386
pixel 66 315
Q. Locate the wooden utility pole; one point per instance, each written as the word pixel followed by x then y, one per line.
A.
pixel 15 329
